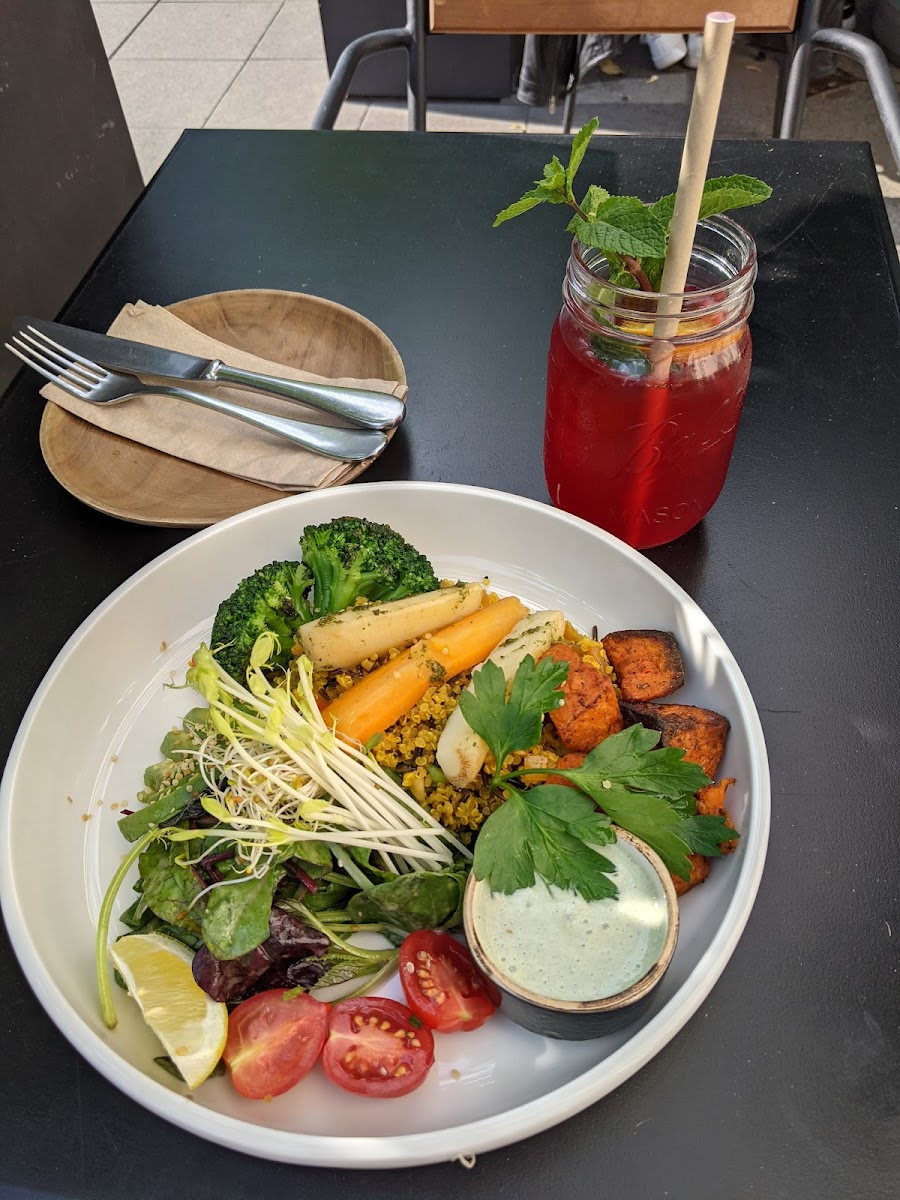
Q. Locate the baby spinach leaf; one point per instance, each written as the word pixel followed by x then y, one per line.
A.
pixel 197 719
pixel 314 857
pixel 341 968
pixel 332 895
pixel 289 956
pixel 152 924
pixel 420 900
pixel 169 888
pixel 136 914
pixel 236 916
pixel 363 858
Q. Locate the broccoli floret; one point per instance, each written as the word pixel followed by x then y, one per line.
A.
pixel 270 600
pixel 351 557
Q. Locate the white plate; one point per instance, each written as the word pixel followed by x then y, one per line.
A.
pixel 98 718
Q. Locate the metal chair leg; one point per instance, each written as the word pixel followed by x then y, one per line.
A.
pixel 411 38
pixel 798 75
pixel 781 86
pixel 416 87
pixel 873 61
pixel 569 107
pixel 572 91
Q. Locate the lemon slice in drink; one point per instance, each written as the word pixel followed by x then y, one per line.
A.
pixel 191 1026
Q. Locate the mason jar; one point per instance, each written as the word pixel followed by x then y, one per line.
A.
pixel 640 427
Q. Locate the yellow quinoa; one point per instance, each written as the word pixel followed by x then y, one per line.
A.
pixel 408 748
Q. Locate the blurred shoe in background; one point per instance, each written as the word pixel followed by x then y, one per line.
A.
pixel 666 49
pixel 694 48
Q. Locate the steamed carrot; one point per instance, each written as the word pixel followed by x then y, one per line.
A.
pixel 388 693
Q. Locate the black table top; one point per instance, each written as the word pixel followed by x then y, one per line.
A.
pixel 787 1081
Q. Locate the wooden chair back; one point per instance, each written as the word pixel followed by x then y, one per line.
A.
pixel 603 16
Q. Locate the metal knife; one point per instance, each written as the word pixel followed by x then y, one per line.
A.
pixel 371 410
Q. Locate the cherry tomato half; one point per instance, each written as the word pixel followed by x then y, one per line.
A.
pixel 376 1047
pixel 274 1040
pixel 442 985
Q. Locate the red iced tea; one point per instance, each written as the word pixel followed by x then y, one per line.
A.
pixel 640 455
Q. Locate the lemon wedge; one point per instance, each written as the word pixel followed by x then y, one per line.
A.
pixel 191 1026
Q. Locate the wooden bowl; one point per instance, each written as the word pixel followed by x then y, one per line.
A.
pixel 143 485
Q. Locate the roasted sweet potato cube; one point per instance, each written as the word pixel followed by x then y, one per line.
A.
pixel 699 871
pixel 700 732
pixel 647 662
pixel 568 762
pixel 591 711
pixel 711 802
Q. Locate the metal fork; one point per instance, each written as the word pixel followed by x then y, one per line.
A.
pixel 85 380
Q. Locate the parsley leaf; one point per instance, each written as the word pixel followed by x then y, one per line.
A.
pixel 551 831
pixel 629 758
pixel 547 832
pixel 706 833
pixel 650 793
pixel 654 821
pixel 515 723
pixel 685 806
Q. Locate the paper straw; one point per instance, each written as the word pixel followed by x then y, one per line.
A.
pixel 718 30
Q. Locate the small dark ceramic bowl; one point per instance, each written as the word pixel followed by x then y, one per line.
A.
pixel 577 1020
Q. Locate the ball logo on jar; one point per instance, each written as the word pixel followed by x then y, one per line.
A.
pixel 668 442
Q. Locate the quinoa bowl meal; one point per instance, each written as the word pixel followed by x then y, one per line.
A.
pixel 362 709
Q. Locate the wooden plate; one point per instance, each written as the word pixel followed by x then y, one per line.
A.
pixel 139 484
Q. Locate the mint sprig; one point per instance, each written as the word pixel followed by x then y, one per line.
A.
pixel 633 235
pixel 719 195
pixel 624 225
